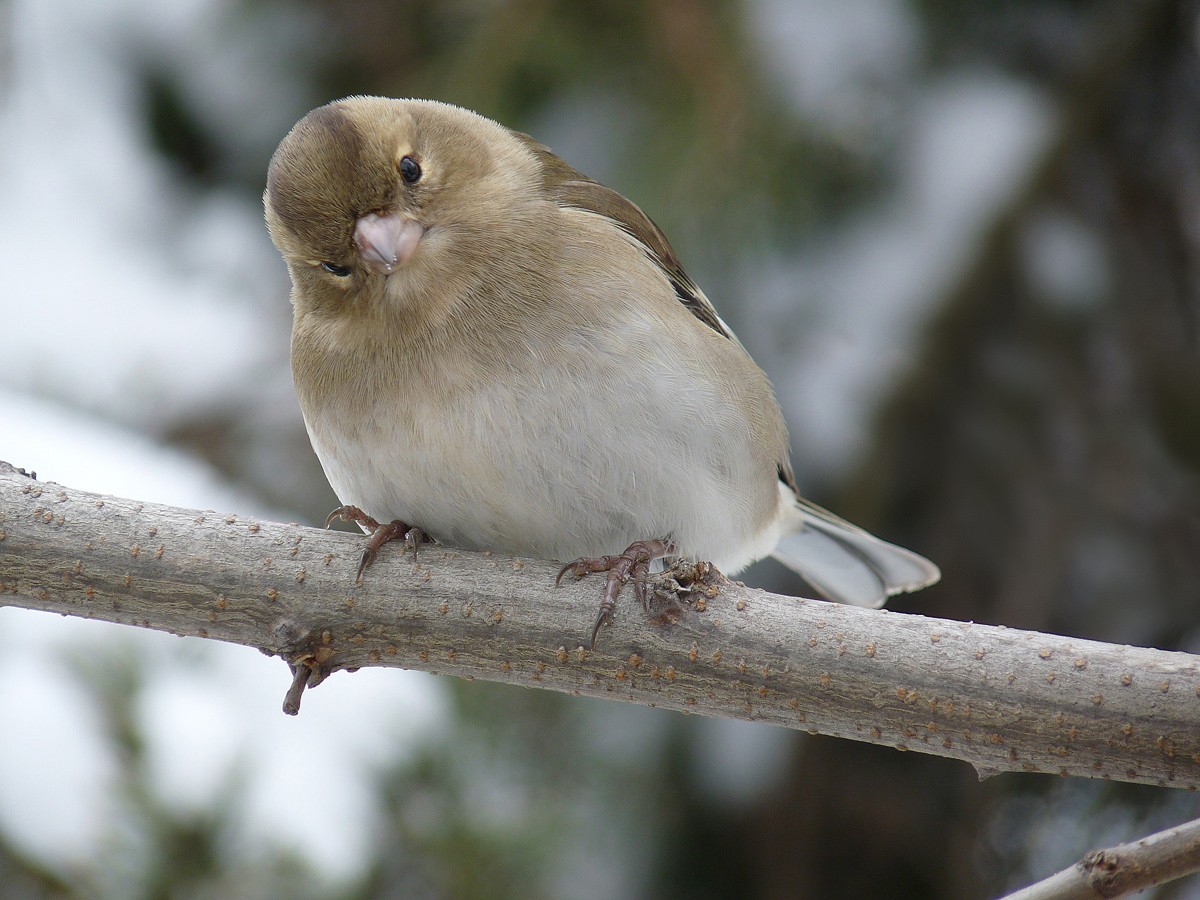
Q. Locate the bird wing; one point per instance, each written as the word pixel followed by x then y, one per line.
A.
pixel 569 187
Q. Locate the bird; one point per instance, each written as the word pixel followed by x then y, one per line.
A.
pixel 496 352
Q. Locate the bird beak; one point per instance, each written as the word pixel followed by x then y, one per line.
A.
pixel 387 242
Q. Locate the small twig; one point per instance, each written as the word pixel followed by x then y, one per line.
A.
pixel 291 700
pixel 1124 869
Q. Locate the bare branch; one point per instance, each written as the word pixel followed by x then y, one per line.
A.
pixel 1124 869
pixel 1001 699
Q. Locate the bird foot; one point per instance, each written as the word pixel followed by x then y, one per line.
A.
pixel 633 564
pixel 380 534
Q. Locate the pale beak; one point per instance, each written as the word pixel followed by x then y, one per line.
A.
pixel 387 242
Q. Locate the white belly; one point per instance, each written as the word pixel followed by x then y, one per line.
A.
pixel 581 458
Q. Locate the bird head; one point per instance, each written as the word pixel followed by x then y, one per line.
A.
pixel 371 200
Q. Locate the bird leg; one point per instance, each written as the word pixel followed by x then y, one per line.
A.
pixel 380 534
pixel 633 563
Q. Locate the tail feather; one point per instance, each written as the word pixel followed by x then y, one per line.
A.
pixel 846 564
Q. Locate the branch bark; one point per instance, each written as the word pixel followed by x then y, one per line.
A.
pixel 998 698
pixel 1125 869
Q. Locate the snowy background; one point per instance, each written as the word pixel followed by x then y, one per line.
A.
pixel 132 305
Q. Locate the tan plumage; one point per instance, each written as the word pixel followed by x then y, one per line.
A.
pixel 508 355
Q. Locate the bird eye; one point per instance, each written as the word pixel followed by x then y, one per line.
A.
pixel 335 269
pixel 410 170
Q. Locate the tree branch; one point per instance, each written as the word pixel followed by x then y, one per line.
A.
pixel 1124 869
pixel 1001 699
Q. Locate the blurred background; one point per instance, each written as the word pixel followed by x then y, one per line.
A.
pixel 963 239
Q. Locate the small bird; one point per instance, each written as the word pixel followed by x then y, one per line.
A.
pixel 493 350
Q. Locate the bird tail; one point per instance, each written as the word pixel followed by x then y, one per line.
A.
pixel 845 564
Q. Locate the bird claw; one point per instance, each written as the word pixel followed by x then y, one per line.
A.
pixel 605 616
pixel 633 564
pixel 380 534
pixel 352 514
pixel 586 566
pixel 412 538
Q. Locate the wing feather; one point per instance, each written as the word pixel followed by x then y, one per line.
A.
pixel 569 187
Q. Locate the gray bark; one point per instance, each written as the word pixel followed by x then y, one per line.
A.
pixel 1125 869
pixel 998 698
